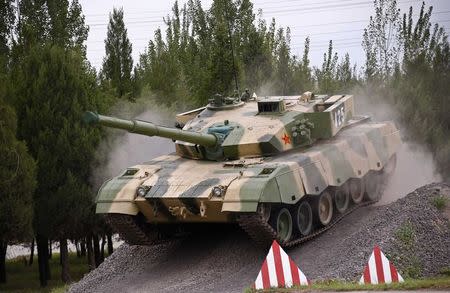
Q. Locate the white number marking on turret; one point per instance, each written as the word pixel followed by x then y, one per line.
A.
pixel 339 116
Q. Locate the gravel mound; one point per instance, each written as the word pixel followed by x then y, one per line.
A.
pixel 412 232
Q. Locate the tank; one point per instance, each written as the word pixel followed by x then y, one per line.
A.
pixel 281 167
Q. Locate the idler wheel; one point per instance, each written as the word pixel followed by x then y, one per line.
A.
pixel 304 218
pixel 372 184
pixel 356 190
pixel 324 208
pixel 282 223
pixel 389 168
pixel 342 198
pixel 264 211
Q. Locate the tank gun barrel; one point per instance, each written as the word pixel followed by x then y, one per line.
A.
pixel 150 129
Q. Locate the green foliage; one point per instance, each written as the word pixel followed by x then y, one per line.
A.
pixel 405 238
pixel 55 88
pixel 194 60
pixel 17 180
pixel 445 272
pixel 440 202
pixel 422 87
pixel 335 77
pixel 326 76
pixel 406 234
pixel 7 19
pixel 380 40
pixel 118 63
pixel 338 285
pixel 418 87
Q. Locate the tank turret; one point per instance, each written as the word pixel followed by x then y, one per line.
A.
pixel 229 128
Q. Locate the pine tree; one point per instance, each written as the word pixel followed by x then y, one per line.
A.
pixel 118 63
pixel 54 87
pixel 17 184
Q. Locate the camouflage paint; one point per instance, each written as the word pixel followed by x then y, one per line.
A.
pixel 264 161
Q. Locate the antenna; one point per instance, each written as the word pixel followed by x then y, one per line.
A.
pixel 232 50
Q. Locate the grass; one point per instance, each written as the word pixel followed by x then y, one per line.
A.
pixel 405 237
pixel 440 202
pixel 21 278
pixel 332 285
pixel 406 234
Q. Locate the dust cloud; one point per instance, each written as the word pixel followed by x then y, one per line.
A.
pixel 122 149
pixel 415 166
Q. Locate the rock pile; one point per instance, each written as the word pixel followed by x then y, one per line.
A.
pixel 412 232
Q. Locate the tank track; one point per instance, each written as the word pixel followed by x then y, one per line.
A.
pixel 261 232
pixel 133 233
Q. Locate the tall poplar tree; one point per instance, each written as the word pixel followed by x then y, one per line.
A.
pixel 118 63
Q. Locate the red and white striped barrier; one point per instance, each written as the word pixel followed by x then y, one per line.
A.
pixel 279 270
pixel 379 270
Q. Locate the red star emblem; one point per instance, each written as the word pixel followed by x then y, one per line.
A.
pixel 286 139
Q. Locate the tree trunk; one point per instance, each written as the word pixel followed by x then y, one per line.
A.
pixel 102 248
pixel 42 248
pixel 47 262
pixel 77 247
pixel 64 253
pixel 3 246
pixel 50 250
pixel 30 261
pixel 97 255
pixel 90 253
pixel 83 247
pixel 110 244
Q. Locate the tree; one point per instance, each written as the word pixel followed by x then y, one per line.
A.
pixel 33 25
pixel 422 86
pixel 118 63
pixel 7 19
pixel 303 80
pixel 67 28
pixel 345 74
pixel 326 75
pixel 283 63
pixel 17 184
pixel 380 40
pixel 54 87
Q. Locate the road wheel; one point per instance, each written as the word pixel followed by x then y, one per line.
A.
pixel 282 223
pixel 372 185
pixel 304 218
pixel 356 190
pixel 323 209
pixel 342 198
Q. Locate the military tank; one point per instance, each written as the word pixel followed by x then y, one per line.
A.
pixel 282 167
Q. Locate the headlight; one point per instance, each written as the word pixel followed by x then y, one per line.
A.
pixel 218 191
pixel 142 190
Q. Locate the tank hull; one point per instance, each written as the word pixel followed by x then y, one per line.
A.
pixel 180 190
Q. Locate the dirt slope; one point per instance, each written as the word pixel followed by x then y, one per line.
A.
pixel 411 231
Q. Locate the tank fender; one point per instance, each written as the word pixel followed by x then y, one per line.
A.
pixel 289 184
pixel 244 193
pixel 118 194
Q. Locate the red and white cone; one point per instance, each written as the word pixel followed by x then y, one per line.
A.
pixel 379 270
pixel 279 270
